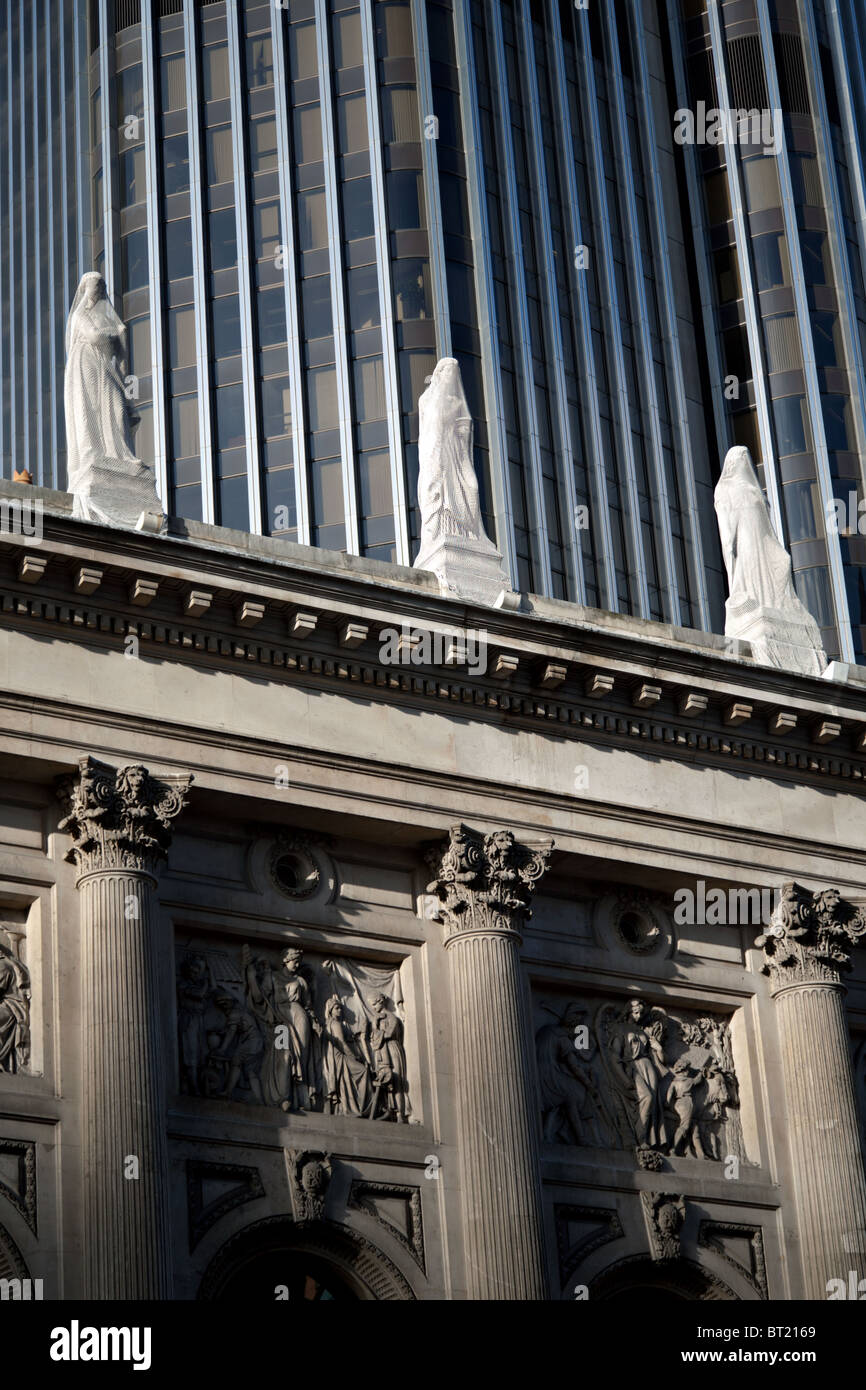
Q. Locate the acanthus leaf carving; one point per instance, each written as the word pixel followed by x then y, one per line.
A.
pixel 485 882
pixel 809 937
pixel 120 818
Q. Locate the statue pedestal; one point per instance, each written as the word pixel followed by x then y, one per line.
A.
pixel 118 498
pixel 466 568
pixel 777 638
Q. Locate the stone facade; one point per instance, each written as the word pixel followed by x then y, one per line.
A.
pixel 323 975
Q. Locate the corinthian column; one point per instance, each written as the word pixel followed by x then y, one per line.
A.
pixel 806 950
pixel 120 822
pixel 484 887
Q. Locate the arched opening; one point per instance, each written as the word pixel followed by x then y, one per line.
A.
pixel 317 1261
pixel 639 1277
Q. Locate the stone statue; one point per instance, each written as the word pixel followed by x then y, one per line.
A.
pixel 762 607
pixel 385 1044
pixel 14 1013
pixel 454 543
pixel 281 1000
pixel 109 483
pixel 309 1178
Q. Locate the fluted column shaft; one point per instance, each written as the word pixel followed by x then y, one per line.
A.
pixel 806 950
pixel 828 1176
pixel 120 823
pixel 499 1165
pixel 127 1246
pixel 485 885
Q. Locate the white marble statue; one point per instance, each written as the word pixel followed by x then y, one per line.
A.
pixel 454 543
pixel 108 482
pixel 762 607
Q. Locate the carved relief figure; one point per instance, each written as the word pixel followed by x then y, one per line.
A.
pixel 637 1049
pixel 571 1101
pixel 193 993
pixel 239 1048
pixel 684 1082
pixel 281 999
pixel 660 1081
pixel 14 1013
pixel 301 1036
pixel 108 481
pixel 348 1080
pixel 385 1042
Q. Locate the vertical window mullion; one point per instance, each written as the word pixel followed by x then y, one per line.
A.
pixel 338 306
pixel 288 231
pixel 154 252
pixel 245 297
pixel 199 270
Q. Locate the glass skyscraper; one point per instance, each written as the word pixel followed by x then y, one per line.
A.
pixel 298 207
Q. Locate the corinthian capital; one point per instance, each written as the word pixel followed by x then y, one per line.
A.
pixel 485 883
pixel 809 937
pixel 119 818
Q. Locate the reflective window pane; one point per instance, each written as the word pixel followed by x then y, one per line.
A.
pixel 133 260
pixel 312 221
pixel 316 302
pixel 184 426
pixel 173 82
pixel 219 154
pixel 130 93
pixel 276 407
pixel 230 424
pixel 400 115
pixel 260 61
pixel 357 209
pixel 406 199
pixel 226 320
pixel 412 289
pixel 215 72
pixel 308 134
pixel 175 163
pixel 223 239
pixel 178 249
pixel 263 144
pixel 132 176
pixel 303 60
pixel 348 51
pixel 266 229
pixel 272 317
pixel 181 337
pixel 352 123
pixel 362 295
pixel 322 392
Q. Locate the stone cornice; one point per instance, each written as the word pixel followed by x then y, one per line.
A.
pixel 318 618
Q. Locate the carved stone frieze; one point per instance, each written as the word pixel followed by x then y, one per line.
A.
pixel 635 1076
pixel 809 937
pixel 309 1178
pixel 120 818
pixel 277 1029
pixel 485 882
pixel 15 994
pixel 664 1214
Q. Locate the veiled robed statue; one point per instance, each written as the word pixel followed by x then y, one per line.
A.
pixel 763 607
pixel 108 481
pixel 454 543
